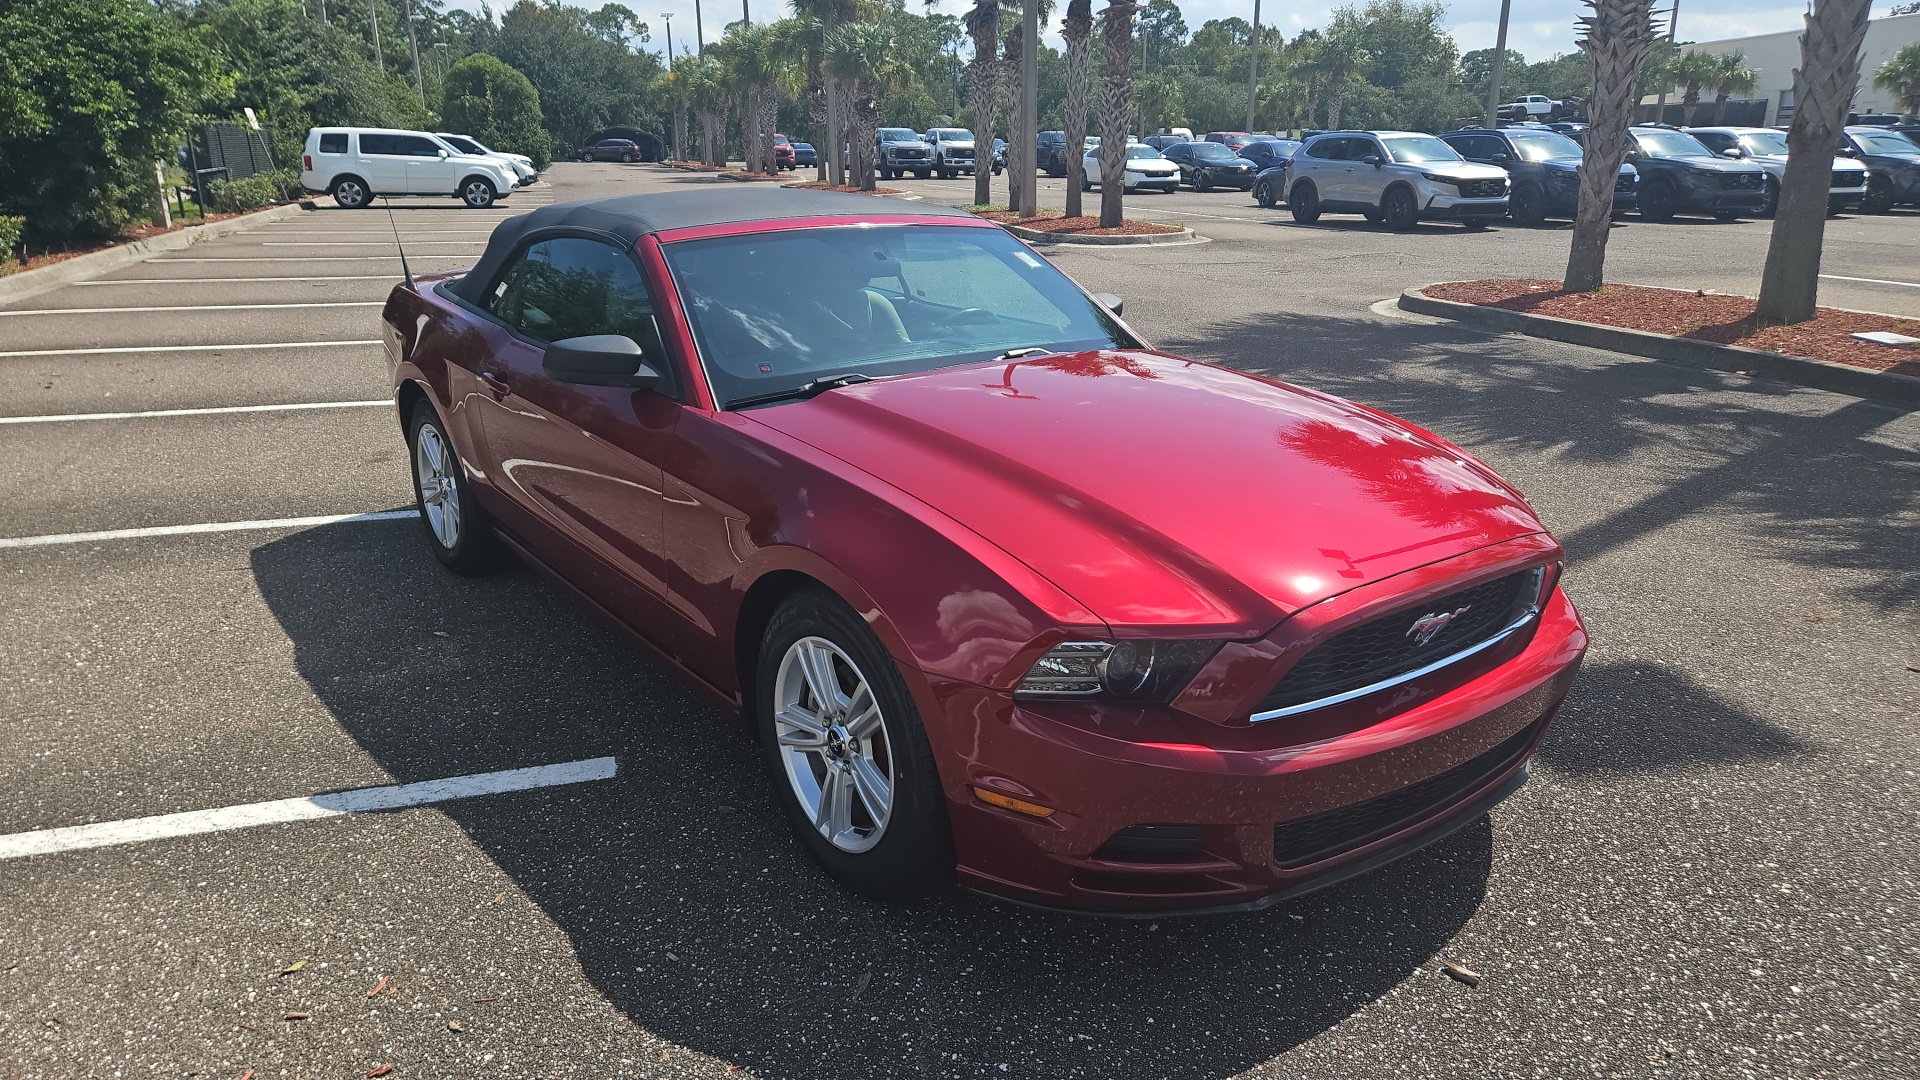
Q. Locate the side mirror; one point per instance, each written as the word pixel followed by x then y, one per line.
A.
pixel 1732 152
pixel 1371 159
pixel 442 153
pixel 601 360
pixel 1848 151
pixel 1499 159
pixel 1110 302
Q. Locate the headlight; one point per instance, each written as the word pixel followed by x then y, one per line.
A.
pixel 1117 671
pixel 1439 179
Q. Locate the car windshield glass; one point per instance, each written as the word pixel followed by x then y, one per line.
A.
pixel 1213 151
pixel 951 134
pixel 465 146
pixel 1137 153
pixel 1887 142
pixel 1764 142
pixel 1670 144
pixel 878 301
pixel 1407 149
pixel 898 135
pixel 1544 146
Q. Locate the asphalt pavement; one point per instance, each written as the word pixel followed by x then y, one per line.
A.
pixel 1711 874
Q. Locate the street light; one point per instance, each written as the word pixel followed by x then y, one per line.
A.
pixel 668 16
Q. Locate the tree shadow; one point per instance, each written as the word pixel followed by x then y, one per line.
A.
pixel 1794 470
pixel 1639 717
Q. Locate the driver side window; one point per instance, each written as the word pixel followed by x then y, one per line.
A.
pixel 574 287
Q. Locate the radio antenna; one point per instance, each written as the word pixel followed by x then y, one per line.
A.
pixel 407 273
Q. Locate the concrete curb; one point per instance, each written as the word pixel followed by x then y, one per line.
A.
pixel 1899 391
pixel 1036 236
pixel 94 263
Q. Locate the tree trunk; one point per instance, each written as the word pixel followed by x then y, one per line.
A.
pixel 866 112
pixel 1618 36
pixel 1116 107
pixel 1336 97
pixel 1720 108
pixel 983 95
pixel 1823 87
pixel 1019 147
pixel 1078 31
pixel 769 119
pixel 680 130
pixel 1313 101
pixel 749 138
pixel 1690 103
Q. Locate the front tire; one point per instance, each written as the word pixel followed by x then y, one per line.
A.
pixel 457 529
pixel 851 763
pixel 1399 210
pixel 1772 205
pixel 1880 195
pixel 477 193
pixel 1658 202
pixel 1528 207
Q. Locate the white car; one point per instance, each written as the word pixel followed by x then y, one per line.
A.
pixel 1399 177
pixel 521 164
pixel 356 164
pixel 1145 169
pixel 1767 148
pixel 952 151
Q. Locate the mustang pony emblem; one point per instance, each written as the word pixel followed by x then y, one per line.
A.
pixel 1427 627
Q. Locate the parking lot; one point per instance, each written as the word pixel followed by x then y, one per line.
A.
pixel 1710 874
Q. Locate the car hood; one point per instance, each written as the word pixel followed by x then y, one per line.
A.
pixel 1714 165
pixel 1158 491
pixel 1572 165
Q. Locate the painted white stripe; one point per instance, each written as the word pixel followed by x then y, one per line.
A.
pixel 191 307
pixel 58 418
pixel 52 539
pixel 312 807
pixel 187 348
pixel 230 280
pixel 307 258
pixel 370 243
pixel 1872 281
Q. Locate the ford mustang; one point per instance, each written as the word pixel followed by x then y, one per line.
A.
pixel 1013 598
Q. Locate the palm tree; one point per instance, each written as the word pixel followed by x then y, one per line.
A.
pixel 1691 72
pixel 1731 76
pixel 1302 57
pixel 983 91
pixel 1900 76
pixel 1617 37
pixel 866 68
pixel 1077 30
pixel 1823 87
pixel 753 57
pixel 1116 106
pixel 1337 58
pixel 710 95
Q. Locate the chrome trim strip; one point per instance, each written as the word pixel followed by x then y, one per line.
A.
pixel 1511 628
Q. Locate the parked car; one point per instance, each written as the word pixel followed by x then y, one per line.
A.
pixel 1399 177
pixel 952 151
pixel 1270 185
pixel 356 164
pixel 1893 165
pixel 1145 168
pixel 976 647
pixel 1234 140
pixel 1575 131
pixel 999 156
pixel 1531 106
pixel 1205 166
pixel 1542 167
pixel 899 151
pixel 521 164
pixel 1181 133
pixel 805 155
pixel 1161 142
pixel 624 150
pixel 1266 153
pixel 1767 148
pixel 1050 152
pixel 1679 175
pixel 782 152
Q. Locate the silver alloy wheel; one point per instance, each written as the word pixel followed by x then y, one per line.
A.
pixel 439 489
pixel 834 743
pixel 477 193
pixel 349 193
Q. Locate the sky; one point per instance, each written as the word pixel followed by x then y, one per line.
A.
pixel 1538 28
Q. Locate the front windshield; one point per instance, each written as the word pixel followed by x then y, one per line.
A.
pixel 1884 142
pixel 1670 144
pixel 876 300
pixel 1764 143
pixel 1137 153
pixel 1409 149
pixel 898 135
pixel 951 134
pixel 1544 146
pixel 465 146
pixel 1213 151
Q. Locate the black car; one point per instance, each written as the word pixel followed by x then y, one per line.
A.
pixel 1679 175
pixel 1544 167
pixel 1892 161
pixel 1266 153
pixel 1050 152
pixel 611 150
pixel 1207 165
pixel 1270 185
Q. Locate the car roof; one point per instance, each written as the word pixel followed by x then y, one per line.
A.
pixel 630 217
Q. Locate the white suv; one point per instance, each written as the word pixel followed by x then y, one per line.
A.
pixel 1399 177
pixel 355 164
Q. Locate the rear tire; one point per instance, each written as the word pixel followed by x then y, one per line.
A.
pixel 1263 194
pixel 1305 201
pixel 457 529
pixel 351 193
pixel 851 765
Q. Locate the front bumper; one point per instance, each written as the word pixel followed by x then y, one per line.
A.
pixel 1456 208
pixel 1153 180
pixel 1250 791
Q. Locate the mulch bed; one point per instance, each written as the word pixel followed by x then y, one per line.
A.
pixel 749 176
pixel 1716 317
pixel 1054 221
pixel 42 258
pixel 821 185
pixel 694 166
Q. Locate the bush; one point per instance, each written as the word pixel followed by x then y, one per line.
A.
pixel 236 196
pixel 488 100
pixel 10 230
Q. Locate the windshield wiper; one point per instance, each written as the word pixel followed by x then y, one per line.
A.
pixel 803 391
pixel 1015 354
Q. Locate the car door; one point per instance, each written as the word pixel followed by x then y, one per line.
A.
pixel 430 168
pixel 580 465
pixel 1332 170
pixel 1181 156
pixel 383 159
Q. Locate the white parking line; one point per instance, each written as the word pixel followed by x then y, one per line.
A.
pixel 369 243
pixel 1872 281
pixel 335 804
pixel 305 258
pixel 192 307
pixel 186 348
pixel 61 418
pixel 231 280
pixel 54 539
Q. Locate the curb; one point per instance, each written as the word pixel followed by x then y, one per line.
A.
pixel 1899 391
pixel 1036 236
pixel 94 263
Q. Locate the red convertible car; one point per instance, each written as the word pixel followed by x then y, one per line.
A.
pixel 1011 596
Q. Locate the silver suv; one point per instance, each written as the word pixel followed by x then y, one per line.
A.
pixel 899 151
pixel 952 151
pixel 1399 177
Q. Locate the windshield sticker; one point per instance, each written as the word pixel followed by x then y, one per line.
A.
pixel 1028 259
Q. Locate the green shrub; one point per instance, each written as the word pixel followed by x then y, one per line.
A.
pixel 10 230
pixel 234 196
pixel 486 99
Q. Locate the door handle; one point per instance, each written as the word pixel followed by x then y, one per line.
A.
pixel 495 383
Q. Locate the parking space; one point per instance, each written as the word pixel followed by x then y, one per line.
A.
pixel 1709 875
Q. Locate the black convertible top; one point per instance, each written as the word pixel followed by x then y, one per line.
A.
pixel 629 217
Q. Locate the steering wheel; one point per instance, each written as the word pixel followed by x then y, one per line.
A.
pixel 969 315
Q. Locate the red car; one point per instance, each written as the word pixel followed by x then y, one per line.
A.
pixel 1010 595
pixel 782 152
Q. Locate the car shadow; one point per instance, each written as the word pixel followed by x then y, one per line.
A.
pixel 1425 228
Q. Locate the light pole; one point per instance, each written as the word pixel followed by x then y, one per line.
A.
pixel 667 17
pixel 699 35
pixel 1499 65
pixel 413 45
pixel 1029 187
pixel 1673 27
pixel 1253 66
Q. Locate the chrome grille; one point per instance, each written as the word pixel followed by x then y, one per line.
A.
pixel 1850 178
pixel 1483 189
pixel 1741 181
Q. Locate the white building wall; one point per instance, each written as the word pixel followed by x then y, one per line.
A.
pixel 1774 56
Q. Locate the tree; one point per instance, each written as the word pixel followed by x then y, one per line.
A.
pixel 1691 72
pixel 1162 26
pixel 586 82
pixel 490 101
pixel 1476 71
pixel 1617 36
pixel 710 96
pixel 755 57
pixel 983 91
pixel 1337 59
pixel 1900 76
pixel 862 59
pixel 1116 108
pixel 1077 30
pixel 1823 87
pixel 92 94
pixel 1731 76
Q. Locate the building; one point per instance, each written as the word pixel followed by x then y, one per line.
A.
pixel 1774 56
